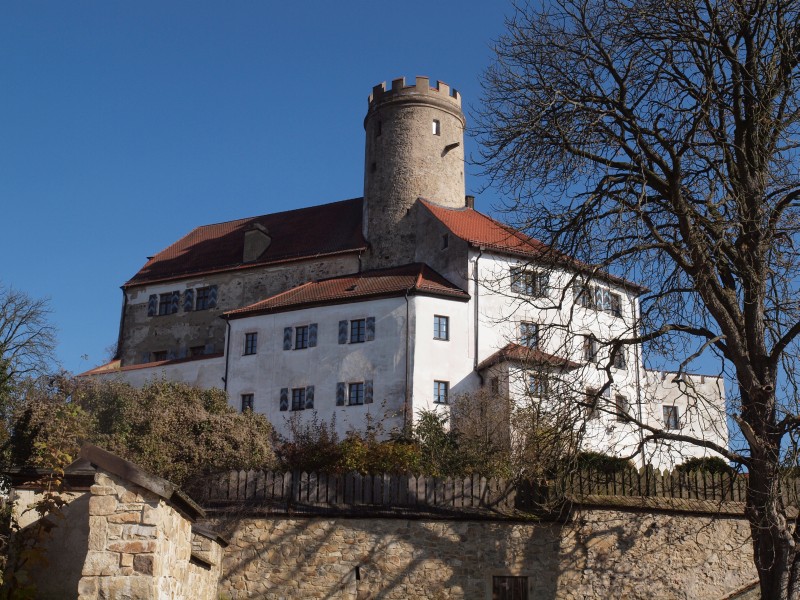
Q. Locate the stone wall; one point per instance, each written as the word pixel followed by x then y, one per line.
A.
pixel 599 553
pixel 141 547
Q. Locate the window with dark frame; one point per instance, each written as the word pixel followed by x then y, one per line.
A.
pixel 159 355
pixel 593 396
pixel 441 391
pixel 247 402
pixel 165 304
pixel 250 343
pixel 441 327
pixel 529 334
pixel 358 331
pixel 622 407
pixel 589 348
pixel 597 298
pixel 528 282
pixel 538 385
pixel 671 420
pixel 355 393
pixel 618 360
pixel 301 337
pixel 509 587
pixel 197 351
pixel 202 300
pixel 298 398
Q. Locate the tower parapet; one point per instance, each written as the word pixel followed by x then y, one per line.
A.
pixel 414 149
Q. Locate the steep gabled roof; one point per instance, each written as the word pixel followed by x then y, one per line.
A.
pixel 519 354
pixel 303 233
pixel 414 279
pixel 482 231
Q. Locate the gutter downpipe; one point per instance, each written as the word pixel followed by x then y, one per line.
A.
pixel 407 400
pixel 227 353
pixel 639 367
pixel 477 314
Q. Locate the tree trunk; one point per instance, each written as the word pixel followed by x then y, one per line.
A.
pixel 775 548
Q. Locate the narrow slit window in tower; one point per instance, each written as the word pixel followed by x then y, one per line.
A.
pixel 378 129
pixel 436 127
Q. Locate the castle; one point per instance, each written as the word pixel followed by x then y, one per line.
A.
pixel 402 301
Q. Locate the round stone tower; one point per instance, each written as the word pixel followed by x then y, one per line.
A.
pixel 414 149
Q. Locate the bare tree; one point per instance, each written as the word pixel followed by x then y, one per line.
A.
pixel 27 338
pixel 657 139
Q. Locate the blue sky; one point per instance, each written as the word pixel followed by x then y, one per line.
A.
pixel 123 125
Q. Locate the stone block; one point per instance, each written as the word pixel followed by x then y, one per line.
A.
pixel 126 588
pixel 139 532
pixel 102 505
pixel 100 563
pixel 103 479
pixel 144 563
pixel 151 516
pixel 133 546
pixel 126 560
pixel 125 517
pixel 87 586
pixel 98 533
pixel 103 490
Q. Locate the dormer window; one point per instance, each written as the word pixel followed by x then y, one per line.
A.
pixel 436 127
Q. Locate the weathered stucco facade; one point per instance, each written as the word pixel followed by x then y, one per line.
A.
pixel 177 334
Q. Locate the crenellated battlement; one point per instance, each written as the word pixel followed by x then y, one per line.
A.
pixel 421 86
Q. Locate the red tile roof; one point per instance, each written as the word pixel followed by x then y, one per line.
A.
pixel 481 231
pixel 528 356
pixel 318 230
pixel 415 279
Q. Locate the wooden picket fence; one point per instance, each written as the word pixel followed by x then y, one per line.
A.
pixel 320 491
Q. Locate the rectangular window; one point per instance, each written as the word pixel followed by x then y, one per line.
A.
pixel 197 351
pixel 494 385
pixel 670 417
pixel 506 587
pixel 441 327
pixel 622 407
pixel 358 331
pixel 298 398
pixel 589 349
pixel 247 402
pixel 597 298
pixel 165 304
pixel 301 337
pixel 441 391
pixel 538 385
pixel 529 334
pixel 203 297
pixel 436 127
pixel 159 355
pixel 593 397
pixel 250 343
pixel 528 282
pixel 619 359
pixel 356 393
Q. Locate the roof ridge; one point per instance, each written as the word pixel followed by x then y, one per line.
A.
pixel 282 212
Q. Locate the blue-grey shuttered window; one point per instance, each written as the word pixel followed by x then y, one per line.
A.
pixel 312 335
pixel 370 328
pixel 175 303
pixel 188 300
pixel 342 332
pixel 310 396
pixel 340 392
pixel 368 391
pixel 152 305
pixel 212 296
pixel 287 338
pixel 284 398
